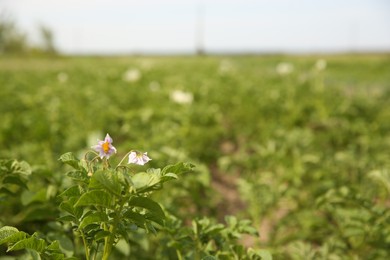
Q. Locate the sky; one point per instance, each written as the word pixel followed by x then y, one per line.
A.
pixel 183 26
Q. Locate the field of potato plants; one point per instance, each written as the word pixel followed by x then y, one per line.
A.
pixel 186 157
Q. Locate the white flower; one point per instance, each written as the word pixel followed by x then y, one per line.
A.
pixel 284 68
pixel 62 77
pixel 138 158
pixel 181 97
pixel 225 67
pixel 154 86
pixel 105 147
pixel 320 65
pixel 146 64
pixel 132 75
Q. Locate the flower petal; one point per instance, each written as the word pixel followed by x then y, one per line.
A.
pixel 108 139
pixel 101 147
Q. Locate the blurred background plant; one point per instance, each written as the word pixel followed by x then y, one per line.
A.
pixel 297 144
pixel 14 41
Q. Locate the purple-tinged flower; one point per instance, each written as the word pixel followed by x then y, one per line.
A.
pixel 138 158
pixel 105 148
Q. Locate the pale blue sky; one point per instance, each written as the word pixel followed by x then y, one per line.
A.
pixel 120 26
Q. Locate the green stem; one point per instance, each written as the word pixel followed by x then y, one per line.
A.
pixel 198 250
pixel 85 245
pixel 198 244
pixel 96 251
pixel 108 245
pixel 123 159
pixel 88 152
pixel 179 257
pixel 109 241
pixel 95 158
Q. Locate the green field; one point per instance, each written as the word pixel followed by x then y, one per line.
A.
pixel 299 145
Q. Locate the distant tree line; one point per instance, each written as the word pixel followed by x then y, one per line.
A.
pixel 13 40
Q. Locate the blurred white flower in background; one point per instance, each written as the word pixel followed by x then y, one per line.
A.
pixel 132 75
pixel 154 86
pixel 225 67
pixel 181 97
pixel 320 65
pixel 146 64
pixel 62 77
pixel 284 68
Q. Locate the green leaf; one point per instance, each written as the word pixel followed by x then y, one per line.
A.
pixel 154 171
pixel 381 177
pixel 77 175
pixel 179 168
pixel 54 246
pixel 68 206
pixel 239 250
pixel 6 232
pixel 96 217
pixel 96 198
pixel 56 256
pixel 83 165
pixel 135 217
pixel 15 179
pixel 109 180
pixel 150 228
pixel 70 159
pixel 4 190
pixel 67 218
pixel 92 228
pixel 249 230
pixel 73 191
pixel 32 242
pixel 213 229
pixel 169 176
pixel 231 221
pixel 101 234
pixel 8 235
pixel 21 167
pixel 153 207
pixel 65 244
pixel 155 218
pixel 209 257
pixel 145 181
pixel 264 254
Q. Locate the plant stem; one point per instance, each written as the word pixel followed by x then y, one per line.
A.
pixel 85 245
pixel 198 245
pixel 109 241
pixel 179 257
pixel 96 251
pixel 93 152
pixel 105 164
pixel 123 159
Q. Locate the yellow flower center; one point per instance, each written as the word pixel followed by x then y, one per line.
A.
pixel 106 147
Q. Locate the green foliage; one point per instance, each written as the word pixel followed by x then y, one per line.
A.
pixel 209 240
pixel 108 204
pixel 22 204
pixel 13 176
pixel 17 240
pixel 303 154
